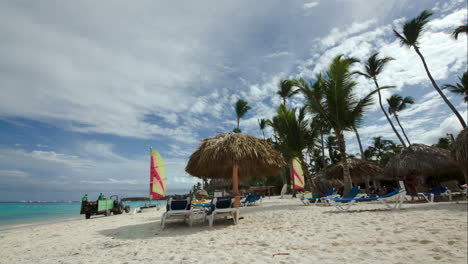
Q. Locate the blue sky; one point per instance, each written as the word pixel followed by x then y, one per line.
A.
pixel 87 88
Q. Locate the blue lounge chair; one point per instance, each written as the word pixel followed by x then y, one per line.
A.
pixel 351 195
pixel 329 194
pixel 222 206
pixel 429 195
pixel 178 209
pixel 344 204
pixel 251 199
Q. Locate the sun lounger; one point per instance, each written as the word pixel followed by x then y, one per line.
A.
pixel 429 195
pixel 178 209
pixel 328 195
pixel 397 196
pixel 251 199
pixel 351 195
pixel 222 206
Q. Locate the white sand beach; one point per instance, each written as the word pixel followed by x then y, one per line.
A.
pixel 277 231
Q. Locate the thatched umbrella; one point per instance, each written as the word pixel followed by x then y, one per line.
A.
pixel 360 170
pixel 423 160
pixel 234 155
pixel 460 152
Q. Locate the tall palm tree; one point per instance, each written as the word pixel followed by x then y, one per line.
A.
pixel 293 135
pixel 241 108
pixel 339 105
pixel 262 124
pixel 286 90
pixel 396 103
pixel 411 31
pixel 460 29
pixel 373 68
pixel 459 88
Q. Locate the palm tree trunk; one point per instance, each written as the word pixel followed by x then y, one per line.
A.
pixel 402 130
pixel 362 155
pixel 307 176
pixel 324 162
pixel 386 115
pixel 359 142
pixel 293 181
pixel 346 175
pixel 454 110
pixel 238 121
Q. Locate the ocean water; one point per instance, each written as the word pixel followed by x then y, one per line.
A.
pixel 15 214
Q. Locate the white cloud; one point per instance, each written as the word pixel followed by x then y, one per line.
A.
pixel 277 54
pixel 13 173
pixel 310 5
pixel 49 172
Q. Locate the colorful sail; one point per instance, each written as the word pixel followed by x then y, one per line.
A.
pixel 157 176
pixel 297 174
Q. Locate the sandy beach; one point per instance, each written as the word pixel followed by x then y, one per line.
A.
pixel 277 231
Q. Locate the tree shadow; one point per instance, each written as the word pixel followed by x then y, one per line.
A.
pixel 451 206
pixel 173 228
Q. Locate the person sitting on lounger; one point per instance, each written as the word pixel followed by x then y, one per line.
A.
pixel 383 191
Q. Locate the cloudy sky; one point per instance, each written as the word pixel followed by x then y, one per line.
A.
pixel 87 87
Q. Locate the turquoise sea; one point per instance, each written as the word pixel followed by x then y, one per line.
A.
pixel 15 214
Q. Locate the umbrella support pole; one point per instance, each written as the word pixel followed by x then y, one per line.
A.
pixel 235 185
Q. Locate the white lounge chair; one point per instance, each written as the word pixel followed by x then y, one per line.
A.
pixel 178 209
pixel 222 206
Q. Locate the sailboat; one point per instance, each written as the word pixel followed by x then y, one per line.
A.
pixel 157 176
pixel 297 175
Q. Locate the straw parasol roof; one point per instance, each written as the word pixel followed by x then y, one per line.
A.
pixel 216 157
pixel 233 155
pixel 359 169
pixel 422 160
pixel 460 152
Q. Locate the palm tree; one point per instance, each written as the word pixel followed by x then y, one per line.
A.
pixel 411 31
pixel 396 103
pixel 292 135
pixel 262 124
pixel 241 108
pixel 460 88
pixel 380 148
pixel 460 29
pixel 286 90
pixel 338 105
pixel 374 67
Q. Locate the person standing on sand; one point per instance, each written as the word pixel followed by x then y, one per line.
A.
pixel 101 197
pixel 84 198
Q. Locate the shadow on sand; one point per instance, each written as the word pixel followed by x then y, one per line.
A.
pixel 453 206
pixel 174 228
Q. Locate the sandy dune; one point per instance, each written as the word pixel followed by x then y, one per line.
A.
pixel 277 231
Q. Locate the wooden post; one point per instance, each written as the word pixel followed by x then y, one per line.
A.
pixel 235 185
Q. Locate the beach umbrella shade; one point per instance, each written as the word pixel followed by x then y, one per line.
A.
pixel 360 170
pixel 460 152
pixel 422 160
pixel 234 155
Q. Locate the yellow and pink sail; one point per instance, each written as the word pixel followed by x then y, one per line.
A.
pixel 157 176
pixel 297 174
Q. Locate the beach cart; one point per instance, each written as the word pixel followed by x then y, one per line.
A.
pixel 105 207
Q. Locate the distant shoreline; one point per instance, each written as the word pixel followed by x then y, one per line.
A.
pixel 7 227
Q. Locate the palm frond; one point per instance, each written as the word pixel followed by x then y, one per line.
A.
pixel 460 29
pixel 413 28
pixel 241 108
